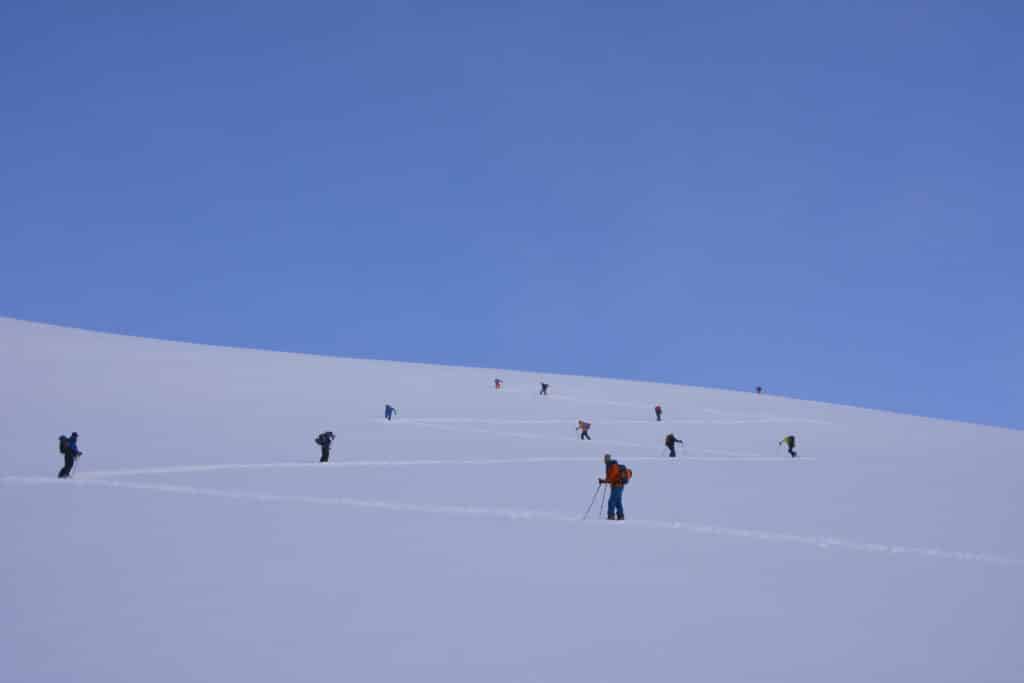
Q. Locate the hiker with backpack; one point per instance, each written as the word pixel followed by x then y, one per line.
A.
pixel 790 442
pixel 544 388
pixel 324 442
pixel 584 429
pixel 497 383
pixel 671 442
pixel 389 411
pixel 616 476
pixel 69 449
pixel 657 413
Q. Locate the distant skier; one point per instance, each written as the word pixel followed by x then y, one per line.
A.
pixel 497 383
pixel 760 390
pixel 790 442
pixel 657 412
pixel 584 429
pixel 389 412
pixel 324 441
pixel 671 442
pixel 544 389
pixel 616 476
pixel 69 449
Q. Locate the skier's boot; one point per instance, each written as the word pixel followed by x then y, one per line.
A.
pixel 611 518
pixel 621 518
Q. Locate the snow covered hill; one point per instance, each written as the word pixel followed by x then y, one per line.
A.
pixel 200 540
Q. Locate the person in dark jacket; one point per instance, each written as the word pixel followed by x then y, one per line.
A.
pixel 544 388
pixel 69 449
pixel 324 441
pixel 657 413
pixel 389 412
pixel 671 442
pixel 790 442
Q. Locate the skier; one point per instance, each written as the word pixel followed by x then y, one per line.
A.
pixel 389 411
pixel 543 389
pixel 671 442
pixel 616 476
pixel 657 412
pixel 790 442
pixel 69 449
pixel 497 383
pixel 584 429
pixel 759 390
pixel 324 441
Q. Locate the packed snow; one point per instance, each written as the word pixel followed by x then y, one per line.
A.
pixel 199 538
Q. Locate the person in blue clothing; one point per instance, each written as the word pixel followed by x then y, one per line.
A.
pixel 389 411
pixel 324 441
pixel 69 449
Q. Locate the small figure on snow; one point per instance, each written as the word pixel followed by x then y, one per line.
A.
pixel 69 449
pixel 544 388
pixel 497 383
pixel 389 411
pixel 616 476
pixel 671 442
pixel 790 442
pixel 584 429
pixel 759 390
pixel 657 413
pixel 324 442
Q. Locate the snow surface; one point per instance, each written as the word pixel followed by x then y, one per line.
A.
pixel 199 539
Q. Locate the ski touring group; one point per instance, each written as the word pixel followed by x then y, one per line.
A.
pixel 616 475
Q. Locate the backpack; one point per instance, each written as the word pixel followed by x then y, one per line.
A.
pixel 63 443
pixel 625 474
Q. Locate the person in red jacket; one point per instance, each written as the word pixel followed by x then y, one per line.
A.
pixel 657 412
pixel 616 476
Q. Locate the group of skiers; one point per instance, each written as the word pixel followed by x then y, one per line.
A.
pixel 616 475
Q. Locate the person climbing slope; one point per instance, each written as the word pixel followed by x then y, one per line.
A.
pixel 671 442
pixel 657 413
pixel 324 441
pixel 790 442
pixel 69 449
pixel 497 383
pixel 389 412
pixel 544 388
pixel 616 476
pixel 584 429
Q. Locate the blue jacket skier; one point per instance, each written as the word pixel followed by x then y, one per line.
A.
pixel 324 442
pixel 389 411
pixel 69 449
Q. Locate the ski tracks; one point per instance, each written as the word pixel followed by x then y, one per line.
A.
pixel 822 542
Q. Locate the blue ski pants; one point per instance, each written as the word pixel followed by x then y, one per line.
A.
pixel 615 503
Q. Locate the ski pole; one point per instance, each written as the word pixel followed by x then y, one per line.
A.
pixel 587 513
pixel 603 495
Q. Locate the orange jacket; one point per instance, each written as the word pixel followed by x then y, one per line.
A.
pixel 614 473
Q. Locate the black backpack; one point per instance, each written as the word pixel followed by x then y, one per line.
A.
pixel 63 441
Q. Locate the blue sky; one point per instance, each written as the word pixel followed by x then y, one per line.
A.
pixel 823 198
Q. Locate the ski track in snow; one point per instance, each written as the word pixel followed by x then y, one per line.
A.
pixel 823 542
pixel 588 460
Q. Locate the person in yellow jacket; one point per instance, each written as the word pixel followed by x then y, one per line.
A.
pixel 790 442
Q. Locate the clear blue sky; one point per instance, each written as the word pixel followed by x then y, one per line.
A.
pixel 823 198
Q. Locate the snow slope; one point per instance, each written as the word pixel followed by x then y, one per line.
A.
pixel 199 539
